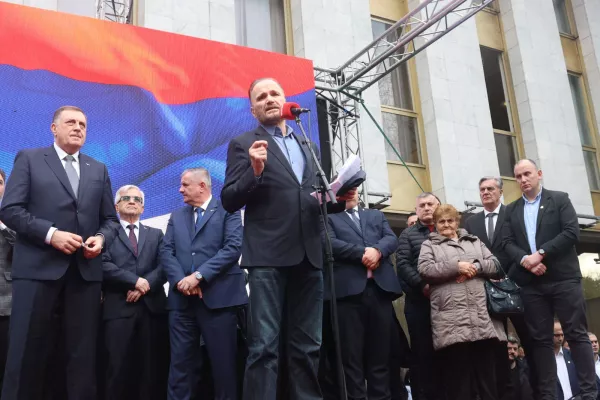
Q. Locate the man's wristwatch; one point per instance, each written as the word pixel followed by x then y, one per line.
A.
pixel 198 275
pixel 542 253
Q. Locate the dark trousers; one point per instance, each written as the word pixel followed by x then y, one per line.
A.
pixel 136 356
pixel 502 362
pixel 469 369
pixel 565 298
pixel 425 369
pixel 35 304
pixel 365 335
pixel 218 329
pixel 4 322
pixel 295 293
pixel 399 358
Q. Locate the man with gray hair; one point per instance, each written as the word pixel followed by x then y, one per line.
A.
pixel 417 309
pixel 134 316
pixel 487 225
pixel 200 252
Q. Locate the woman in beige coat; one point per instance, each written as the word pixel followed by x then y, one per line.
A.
pixel 456 264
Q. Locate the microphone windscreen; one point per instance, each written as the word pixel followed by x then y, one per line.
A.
pixel 286 110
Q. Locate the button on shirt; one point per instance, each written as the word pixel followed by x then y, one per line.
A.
pixel 563 374
pixel 530 213
pixel 494 218
pixel 136 231
pixel 290 148
pixel 61 156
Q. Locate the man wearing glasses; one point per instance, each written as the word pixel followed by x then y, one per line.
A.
pixel 134 317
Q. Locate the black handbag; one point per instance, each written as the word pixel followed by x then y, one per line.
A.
pixel 503 297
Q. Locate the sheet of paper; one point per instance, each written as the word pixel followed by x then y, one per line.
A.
pixel 348 170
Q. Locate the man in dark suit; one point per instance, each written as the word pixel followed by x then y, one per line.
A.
pixel 487 225
pixel 135 323
pixel 59 201
pixel 365 285
pixel 282 246
pixel 540 233
pixel 424 368
pixel 567 385
pixel 200 253
pixel 7 241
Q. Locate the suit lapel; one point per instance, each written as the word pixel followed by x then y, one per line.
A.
pixel 56 166
pixel 481 230
pixel 275 150
pixel 84 172
pixel 498 226
pixel 307 159
pixel 189 220
pixel 125 239
pixel 208 213
pixel 543 206
pixel 520 213
pixel 143 233
pixel 344 215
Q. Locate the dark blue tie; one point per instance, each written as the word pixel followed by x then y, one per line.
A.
pixel 354 217
pixel 199 212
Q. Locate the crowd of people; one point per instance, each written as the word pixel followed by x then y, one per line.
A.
pixel 84 313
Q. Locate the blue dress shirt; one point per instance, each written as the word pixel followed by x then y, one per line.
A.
pixel 290 148
pixel 530 213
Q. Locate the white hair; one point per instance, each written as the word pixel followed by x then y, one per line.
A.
pixel 124 189
pixel 202 173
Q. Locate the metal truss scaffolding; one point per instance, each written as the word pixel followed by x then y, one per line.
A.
pixel 342 87
pixel 115 10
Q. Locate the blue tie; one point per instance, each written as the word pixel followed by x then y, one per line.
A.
pixel 199 212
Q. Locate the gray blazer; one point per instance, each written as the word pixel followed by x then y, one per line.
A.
pixel 7 240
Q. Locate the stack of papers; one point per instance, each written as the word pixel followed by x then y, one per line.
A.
pixel 348 170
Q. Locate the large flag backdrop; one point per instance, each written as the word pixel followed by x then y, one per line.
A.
pixel 156 102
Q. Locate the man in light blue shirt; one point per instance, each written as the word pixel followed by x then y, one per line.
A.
pixel 540 234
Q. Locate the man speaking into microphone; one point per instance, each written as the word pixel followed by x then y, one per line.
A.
pixel 271 173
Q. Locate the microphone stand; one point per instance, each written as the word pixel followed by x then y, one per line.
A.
pixel 324 189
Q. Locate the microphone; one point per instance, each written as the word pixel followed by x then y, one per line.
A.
pixel 292 110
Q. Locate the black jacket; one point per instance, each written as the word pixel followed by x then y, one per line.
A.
pixel 407 259
pixel 476 225
pixel 282 224
pixel 557 233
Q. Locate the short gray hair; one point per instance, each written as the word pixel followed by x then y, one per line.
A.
pixel 512 339
pixel 497 179
pixel 202 172
pixel 124 189
pixel 428 194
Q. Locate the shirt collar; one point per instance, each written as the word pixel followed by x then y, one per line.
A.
pixel 126 224
pixel 205 205
pixel 271 130
pixel 62 154
pixel 537 198
pixel 561 352
pixel 355 208
pixel 496 211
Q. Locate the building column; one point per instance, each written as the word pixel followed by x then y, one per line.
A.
pixel 587 19
pixel 456 115
pixel 544 102
pixel 331 41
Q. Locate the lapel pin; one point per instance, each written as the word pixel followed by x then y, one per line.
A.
pixel 87 164
pixel 542 207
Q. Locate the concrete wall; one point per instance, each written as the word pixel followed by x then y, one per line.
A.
pixel 86 8
pixel 329 32
pixel 544 102
pixel 458 125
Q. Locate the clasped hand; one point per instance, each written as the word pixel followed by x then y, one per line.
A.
pixel 466 270
pixel 371 258
pixel 533 264
pixel 190 286
pixel 69 243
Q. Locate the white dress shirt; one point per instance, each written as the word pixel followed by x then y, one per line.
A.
pixel 355 213
pixel 61 155
pixel 136 231
pixel 597 365
pixel 495 217
pixel 563 374
pixel 203 206
pixel 2 226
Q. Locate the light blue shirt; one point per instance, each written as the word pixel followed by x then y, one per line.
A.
pixel 290 148
pixel 530 213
